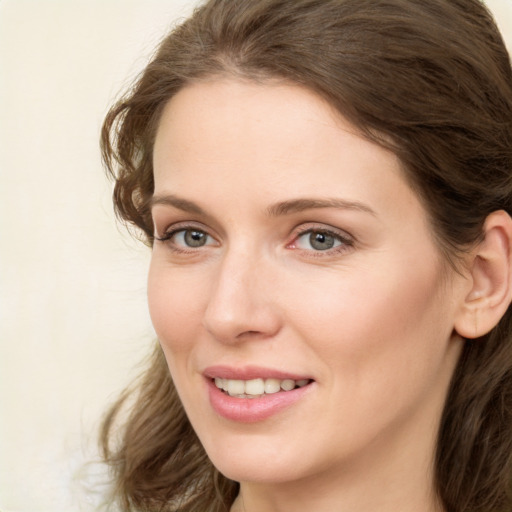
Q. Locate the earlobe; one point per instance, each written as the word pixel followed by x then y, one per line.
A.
pixel 490 273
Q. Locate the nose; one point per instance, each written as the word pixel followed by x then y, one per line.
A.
pixel 241 304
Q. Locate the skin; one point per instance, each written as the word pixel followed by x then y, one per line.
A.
pixel 370 320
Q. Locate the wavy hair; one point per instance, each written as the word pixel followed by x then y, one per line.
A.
pixel 430 80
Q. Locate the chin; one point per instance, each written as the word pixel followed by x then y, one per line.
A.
pixel 257 471
pixel 261 458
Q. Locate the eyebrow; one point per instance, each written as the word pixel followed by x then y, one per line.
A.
pixel 276 210
pixel 177 202
pixel 300 205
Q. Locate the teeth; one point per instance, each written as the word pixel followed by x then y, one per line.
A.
pixel 272 386
pixel 287 384
pixel 254 387
pixel 235 387
pixel 257 387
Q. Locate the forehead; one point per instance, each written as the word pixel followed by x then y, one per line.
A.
pixel 266 141
pixel 231 110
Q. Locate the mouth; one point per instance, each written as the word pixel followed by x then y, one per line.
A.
pixel 250 394
pixel 257 388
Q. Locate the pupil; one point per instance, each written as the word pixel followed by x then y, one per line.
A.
pixel 195 238
pixel 321 241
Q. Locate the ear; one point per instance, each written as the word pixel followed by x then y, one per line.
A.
pixel 489 283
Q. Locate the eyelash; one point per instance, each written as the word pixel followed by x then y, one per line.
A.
pixel 345 241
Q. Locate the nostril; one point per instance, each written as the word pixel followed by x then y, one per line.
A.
pixel 249 334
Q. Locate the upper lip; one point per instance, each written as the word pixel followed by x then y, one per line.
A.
pixel 249 373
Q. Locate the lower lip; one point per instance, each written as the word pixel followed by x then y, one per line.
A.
pixel 252 410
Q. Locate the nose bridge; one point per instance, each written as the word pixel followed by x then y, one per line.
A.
pixel 240 301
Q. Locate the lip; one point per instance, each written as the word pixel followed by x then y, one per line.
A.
pixel 252 410
pixel 250 372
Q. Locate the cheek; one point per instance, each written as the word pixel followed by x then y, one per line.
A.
pixel 175 303
pixel 393 319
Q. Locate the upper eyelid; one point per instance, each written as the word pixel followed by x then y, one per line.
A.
pixel 163 223
pixel 160 210
pixel 331 231
pixel 181 226
pixel 307 227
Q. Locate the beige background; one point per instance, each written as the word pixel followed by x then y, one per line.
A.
pixel 73 316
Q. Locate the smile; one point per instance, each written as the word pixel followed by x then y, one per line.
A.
pixel 243 395
pixel 256 388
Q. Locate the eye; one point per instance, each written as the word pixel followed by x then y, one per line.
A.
pixel 187 238
pixel 321 240
pixel 317 240
pixel 191 238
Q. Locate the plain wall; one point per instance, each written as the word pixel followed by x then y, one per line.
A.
pixel 73 315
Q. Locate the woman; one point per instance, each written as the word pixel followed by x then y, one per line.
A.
pixel 326 188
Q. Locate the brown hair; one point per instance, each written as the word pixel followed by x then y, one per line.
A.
pixel 430 80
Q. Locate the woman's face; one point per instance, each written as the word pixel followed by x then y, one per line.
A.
pixel 293 254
